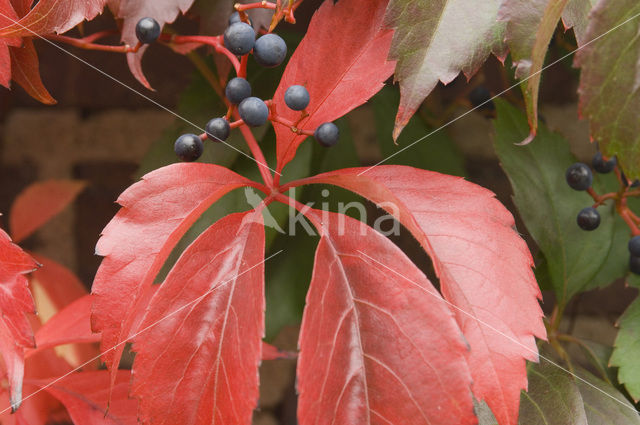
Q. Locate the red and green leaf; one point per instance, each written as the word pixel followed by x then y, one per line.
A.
pixel 338 80
pixel 530 26
pixel 483 265
pixel 610 81
pixel 7 17
pixel 200 343
pixel 40 202
pixel 576 16
pixel 156 212
pixel 435 40
pixel 376 346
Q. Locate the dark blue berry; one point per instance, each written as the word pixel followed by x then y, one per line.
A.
pixel 602 166
pixel 634 246
pixel 327 134
pixel 218 129
pixel 239 38
pixel 634 264
pixel 296 98
pixel 480 98
pixel 188 147
pixel 235 18
pixel 579 176
pixel 588 219
pixel 237 90
pixel 148 30
pixel 270 50
pixel 253 111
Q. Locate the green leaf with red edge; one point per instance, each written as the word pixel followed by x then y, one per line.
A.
pixel 88 400
pixel 131 11
pixel 530 26
pixel 576 16
pixel 375 346
pixel 197 358
pixel 483 265
pixel 15 302
pixel 610 81
pixel 53 16
pixel 40 202
pixel 338 80
pixel 156 212
pixel 436 40
pixel 25 70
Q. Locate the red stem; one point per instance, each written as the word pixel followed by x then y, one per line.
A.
pixel 259 5
pixel 265 172
pixel 215 42
pixel 82 43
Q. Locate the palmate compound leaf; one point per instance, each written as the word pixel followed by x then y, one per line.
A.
pixel 155 214
pixel 342 61
pixel 131 11
pixel 436 39
pixel 530 26
pixel 376 347
pixel 15 302
pixel 610 81
pixel 200 347
pixel 483 265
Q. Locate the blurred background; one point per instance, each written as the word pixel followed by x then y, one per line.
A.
pixel 107 135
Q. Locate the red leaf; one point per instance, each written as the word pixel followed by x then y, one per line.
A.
pixel 7 16
pixel 53 16
pixel 155 214
pixel 21 7
pixel 86 397
pixel 131 11
pixel 270 352
pixel 40 202
pixel 338 79
pixel 197 360
pixel 25 70
pixel 483 265
pixel 61 286
pixel 375 348
pixel 71 325
pixel 15 302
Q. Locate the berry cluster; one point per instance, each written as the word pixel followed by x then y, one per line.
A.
pixel 268 50
pixel 580 177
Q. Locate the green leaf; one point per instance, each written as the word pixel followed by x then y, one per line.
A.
pixel 626 349
pixel 553 398
pixel 435 40
pixel 437 153
pixel 576 16
pixel 610 81
pixel 603 404
pixel 530 26
pixel 575 260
